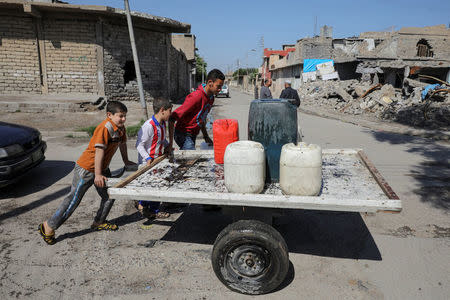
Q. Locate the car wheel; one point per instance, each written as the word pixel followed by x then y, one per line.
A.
pixel 250 257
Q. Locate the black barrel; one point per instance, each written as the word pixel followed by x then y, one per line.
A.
pixel 273 123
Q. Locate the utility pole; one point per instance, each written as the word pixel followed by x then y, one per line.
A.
pixel 315 26
pixel 136 61
pixel 264 59
pixel 203 71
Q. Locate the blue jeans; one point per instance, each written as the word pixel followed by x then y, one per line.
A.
pixel 185 141
pixel 82 181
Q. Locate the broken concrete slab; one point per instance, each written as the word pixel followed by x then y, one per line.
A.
pixel 388 90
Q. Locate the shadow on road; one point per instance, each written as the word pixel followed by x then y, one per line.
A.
pixel 30 206
pixel 432 175
pixel 119 221
pixel 330 234
pixel 46 174
pixel 289 278
pixel 38 179
pixel 327 233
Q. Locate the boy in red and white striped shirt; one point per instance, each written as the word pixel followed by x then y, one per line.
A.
pixel 150 144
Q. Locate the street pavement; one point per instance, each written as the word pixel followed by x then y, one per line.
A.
pixel 333 255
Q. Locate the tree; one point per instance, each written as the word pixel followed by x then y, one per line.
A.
pixel 248 71
pixel 200 65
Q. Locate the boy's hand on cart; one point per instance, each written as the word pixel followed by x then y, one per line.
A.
pixel 99 181
pixel 168 150
pixel 149 162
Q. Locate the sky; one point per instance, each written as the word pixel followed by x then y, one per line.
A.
pixel 231 31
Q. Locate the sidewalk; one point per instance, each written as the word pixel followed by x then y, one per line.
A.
pixel 45 103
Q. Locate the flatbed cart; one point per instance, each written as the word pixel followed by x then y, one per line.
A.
pixel 249 256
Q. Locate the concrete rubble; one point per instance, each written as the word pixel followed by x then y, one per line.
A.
pixel 404 105
pixel 401 76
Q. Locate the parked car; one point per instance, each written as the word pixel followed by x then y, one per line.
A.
pixel 225 91
pixel 21 149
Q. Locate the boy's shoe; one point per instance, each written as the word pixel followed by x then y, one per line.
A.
pixel 157 215
pixel 140 209
pixel 48 238
pixel 105 226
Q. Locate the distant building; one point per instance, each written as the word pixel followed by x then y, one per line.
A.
pixel 389 55
pixel 270 57
pixel 184 43
pixel 56 48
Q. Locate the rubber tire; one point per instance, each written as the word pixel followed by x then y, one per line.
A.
pixel 251 232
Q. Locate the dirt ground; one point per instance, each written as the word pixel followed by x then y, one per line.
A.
pixel 333 255
pixel 71 121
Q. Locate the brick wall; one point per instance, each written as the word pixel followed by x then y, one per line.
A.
pixel 440 45
pixel 19 64
pixel 72 62
pixel 70 56
pixel 179 75
pixel 315 48
pixel 152 47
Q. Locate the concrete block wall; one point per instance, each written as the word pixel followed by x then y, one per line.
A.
pixel 179 74
pixel 71 63
pixel 71 56
pixel 152 51
pixel 316 48
pixel 19 64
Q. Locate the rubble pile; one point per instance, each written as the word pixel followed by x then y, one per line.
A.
pixel 404 105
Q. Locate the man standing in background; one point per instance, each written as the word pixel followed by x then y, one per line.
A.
pixel 265 91
pixel 290 93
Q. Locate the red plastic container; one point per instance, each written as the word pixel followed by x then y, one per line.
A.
pixel 225 131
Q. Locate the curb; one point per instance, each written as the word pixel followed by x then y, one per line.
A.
pixel 40 107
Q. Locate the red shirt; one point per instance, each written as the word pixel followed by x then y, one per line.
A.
pixel 191 115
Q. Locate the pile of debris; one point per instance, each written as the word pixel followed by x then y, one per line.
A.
pixel 417 103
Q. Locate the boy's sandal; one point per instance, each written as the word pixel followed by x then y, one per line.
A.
pixel 159 215
pixel 105 226
pixel 48 238
pixel 140 210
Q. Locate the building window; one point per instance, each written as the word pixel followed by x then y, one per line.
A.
pixel 130 72
pixel 424 49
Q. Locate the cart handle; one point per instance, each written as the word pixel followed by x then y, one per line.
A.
pixel 140 172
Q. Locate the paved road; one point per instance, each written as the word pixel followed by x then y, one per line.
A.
pixel 419 171
pixel 333 255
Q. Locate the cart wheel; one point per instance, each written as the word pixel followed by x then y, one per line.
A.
pixel 250 257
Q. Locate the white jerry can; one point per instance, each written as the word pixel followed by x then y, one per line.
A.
pixel 301 169
pixel 245 167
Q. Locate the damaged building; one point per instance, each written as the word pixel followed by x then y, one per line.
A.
pixel 57 48
pixel 350 73
pixel 383 56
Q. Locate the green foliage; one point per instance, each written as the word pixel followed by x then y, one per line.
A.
pixel 200 65
pixel 252 72
pixel 133 130
pixel 89 130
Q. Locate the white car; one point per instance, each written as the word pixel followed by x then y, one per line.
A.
pixel 225 91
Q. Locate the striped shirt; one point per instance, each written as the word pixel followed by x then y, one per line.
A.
pixel 151 140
